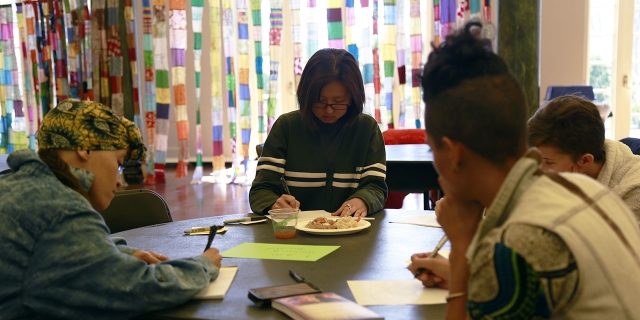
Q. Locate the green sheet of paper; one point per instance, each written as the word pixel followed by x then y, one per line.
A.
pixel 272 251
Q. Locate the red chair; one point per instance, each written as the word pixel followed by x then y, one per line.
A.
pixel 395 200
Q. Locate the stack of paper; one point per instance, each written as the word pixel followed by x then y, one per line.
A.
pixel 394 292
pixel 426 220
pixel 218 289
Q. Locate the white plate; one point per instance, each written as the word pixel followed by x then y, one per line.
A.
pixel 362 224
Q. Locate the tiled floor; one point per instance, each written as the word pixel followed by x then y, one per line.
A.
pixel 189 201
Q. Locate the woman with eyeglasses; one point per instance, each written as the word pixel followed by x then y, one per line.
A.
pixel 57 259
pixel 328 155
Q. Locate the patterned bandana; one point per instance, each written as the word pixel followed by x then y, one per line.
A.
pixel 87 125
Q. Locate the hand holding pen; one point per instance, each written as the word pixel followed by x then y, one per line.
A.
pixel 431 269
pixel 286 200
pixel 212 253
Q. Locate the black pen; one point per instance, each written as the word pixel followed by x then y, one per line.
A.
pixel 433 253
pixel 295 276
pixel 284 185
pixel 300 279
pixel 212 233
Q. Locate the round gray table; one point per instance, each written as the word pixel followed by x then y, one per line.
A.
pixel 380 252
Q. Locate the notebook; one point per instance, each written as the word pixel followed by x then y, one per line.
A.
pixel 218 289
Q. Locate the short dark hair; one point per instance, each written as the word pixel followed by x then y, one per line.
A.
pixel 472 97
pixel 571 124
pixel 328 65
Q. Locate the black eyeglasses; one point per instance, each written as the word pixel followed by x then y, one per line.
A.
pixel 334 106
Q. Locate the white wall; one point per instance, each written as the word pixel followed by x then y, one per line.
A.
pixel 563 43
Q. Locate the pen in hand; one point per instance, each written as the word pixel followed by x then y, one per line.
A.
pixel 212 233
pixel 284 185
pixel 433 253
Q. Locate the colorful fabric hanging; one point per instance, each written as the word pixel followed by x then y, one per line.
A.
pixel 243 80
pixel 376 65
pixel 229 53
pixel 78 23
pixel 416 60
pixel 256 15
pixel 475 9
pixel 30 53
pixel 401 50
pixel 163 91
pixel 389 56
pixel 5 113
pixel 74 67
pixel 366 59
pixel 13 93
pixel 436 23
pixel 447 17
pixel 462 12
pixel 43 56
pixel 59 48
pixel 178 43
pixel 6 82
pixel 486 11
pixel 349 29
pixel 448 14
pixel 216 87
pixel 294 6
pixel 275 53
pixel 27 74
pixel 115 61
pixel 84 38
pixel 334 24
pixel 149 90
pixel 129 20
pixel 312 28
pixel 196 26
pixel 16 129
pixel 99 60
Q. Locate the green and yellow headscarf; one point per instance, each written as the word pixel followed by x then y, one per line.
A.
pixel 87 125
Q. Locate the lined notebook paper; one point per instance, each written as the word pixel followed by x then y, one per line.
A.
pixel 218 288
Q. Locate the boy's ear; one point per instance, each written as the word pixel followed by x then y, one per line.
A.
pixel 454 151
pixel 585 160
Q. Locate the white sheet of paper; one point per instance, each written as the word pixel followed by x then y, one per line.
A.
pixel 395 292
pixel 426 220
pixel 218 289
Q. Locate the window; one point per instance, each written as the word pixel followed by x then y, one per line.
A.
pixel 614 63
pixel 601 31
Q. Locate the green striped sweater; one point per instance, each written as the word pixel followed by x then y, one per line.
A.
pixel 294 151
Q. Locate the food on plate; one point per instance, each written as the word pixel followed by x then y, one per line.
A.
pixel 340 223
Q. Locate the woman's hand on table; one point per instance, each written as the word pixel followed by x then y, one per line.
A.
pixel 459 219
pixel 286 201
pixel 149 256
pixel 214 255
pixel 352 207
pixel 435 271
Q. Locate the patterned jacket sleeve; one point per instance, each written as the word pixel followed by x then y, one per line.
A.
pixel 77 272
pixel 523 272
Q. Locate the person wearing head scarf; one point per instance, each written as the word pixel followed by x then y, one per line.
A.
pixel 56 255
